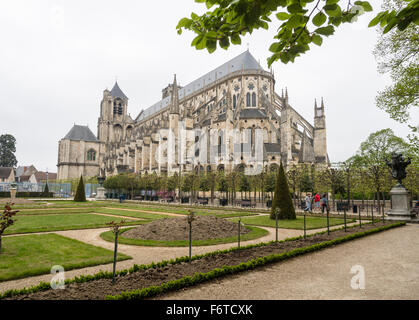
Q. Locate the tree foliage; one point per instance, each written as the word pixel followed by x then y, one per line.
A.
pixel 282 198
pixel 7 151
pixel 303 22
pixel 397 53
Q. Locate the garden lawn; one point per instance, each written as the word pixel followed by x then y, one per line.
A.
pixel 311 222
pixel 135 214
pixel 44 211
pixel 54 222
pixel 254 234
pixel 30 255
pixel 184 211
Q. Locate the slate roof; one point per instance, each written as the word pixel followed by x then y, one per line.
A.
pixel 117 92
pixel 252 113
pixel 25 170
pixel 5 172
pixel 244 61
pixel 42 176
pixel 80 133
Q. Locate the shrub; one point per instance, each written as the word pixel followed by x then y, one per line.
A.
pixel 80 194
pixel 282 198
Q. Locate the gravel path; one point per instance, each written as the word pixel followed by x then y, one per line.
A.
pixel 390 260
pixel 140 255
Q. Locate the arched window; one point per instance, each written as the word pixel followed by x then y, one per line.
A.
pixel 248 99
pixel 253 99
pixel 91 155
pixel 234 101
pixel 117 107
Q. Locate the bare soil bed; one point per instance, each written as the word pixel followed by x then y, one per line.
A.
pixel 98 289
pixel 172 229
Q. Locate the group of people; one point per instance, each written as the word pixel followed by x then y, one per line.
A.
pixel 319 203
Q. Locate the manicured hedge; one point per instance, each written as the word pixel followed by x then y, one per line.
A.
pixel 172 285
pixel 27 194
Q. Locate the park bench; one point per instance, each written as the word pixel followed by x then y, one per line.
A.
pixel 203 201
pixel 245 203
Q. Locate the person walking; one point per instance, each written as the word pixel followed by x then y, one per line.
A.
pixel 317 202
pixel 324 202
pixel 308 203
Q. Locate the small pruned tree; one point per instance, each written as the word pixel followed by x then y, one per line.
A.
pixel 46 191
pixel 80 194
pixel 282 198
pixel 6 219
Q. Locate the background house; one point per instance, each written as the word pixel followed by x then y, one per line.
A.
pixel 23 173
pixel 7 174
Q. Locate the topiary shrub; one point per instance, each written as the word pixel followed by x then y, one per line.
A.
pixel 282 198
pixel 80 194
pixel 46 191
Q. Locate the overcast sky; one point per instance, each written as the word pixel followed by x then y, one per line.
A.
pixel 57 57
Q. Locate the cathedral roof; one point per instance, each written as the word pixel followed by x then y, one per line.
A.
pixel 252 113
pixel 117 92
pixel 272 147
pixel 80 133
pixel 244 61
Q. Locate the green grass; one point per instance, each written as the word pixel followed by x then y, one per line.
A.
pixel 30 255
pixel 183 211
pixel 54 211
pixel 311 222
pixel 55 222
pixel 254 234
pixel 134 214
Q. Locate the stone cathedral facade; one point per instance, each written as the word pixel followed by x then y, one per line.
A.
pixel 229 119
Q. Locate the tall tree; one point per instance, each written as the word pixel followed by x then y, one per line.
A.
pixel 303 23
pixel 7 151
pixel 397 53
pixel 374 152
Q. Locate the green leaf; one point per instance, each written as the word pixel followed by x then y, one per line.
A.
pixel 319 19
pixel 326 31
pixel 211 45
pixel 211 35
pixel 390 25
pixel 182 23
pixel 317 39
pixel 333 10
pixel 365 4
pixel 224 43
pixel 367 7
pixel 295 21
pixel 276 47
pixel 235 39
pixel 196 40
pixel 294 8
pixel 377 19
pixel 282 16
pixel 202 43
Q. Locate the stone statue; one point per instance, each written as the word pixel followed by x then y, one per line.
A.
pixel 398 166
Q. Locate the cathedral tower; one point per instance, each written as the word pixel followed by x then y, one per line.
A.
pixel 320 149
pixel 113 115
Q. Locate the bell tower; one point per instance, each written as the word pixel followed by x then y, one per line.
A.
pixel 113 111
